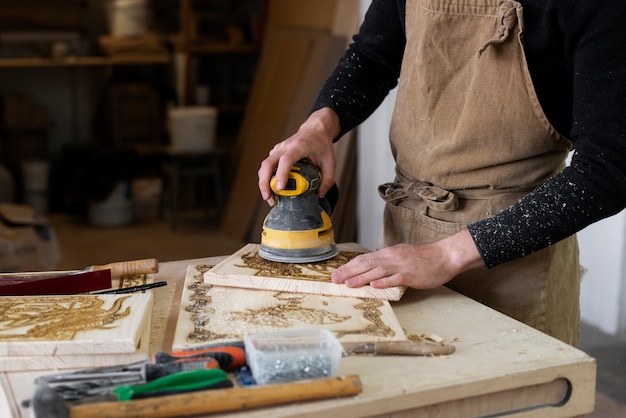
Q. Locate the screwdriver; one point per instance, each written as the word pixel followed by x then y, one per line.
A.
pixel 225 356
pixel 150 372
pixel 229 357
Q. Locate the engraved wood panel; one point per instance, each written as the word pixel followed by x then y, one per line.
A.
pixel 77 361
pixel 73 325
pixel 211 313
pixel 246 269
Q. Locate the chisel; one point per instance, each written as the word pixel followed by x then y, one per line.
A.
pixel 400 348
pixel 68 282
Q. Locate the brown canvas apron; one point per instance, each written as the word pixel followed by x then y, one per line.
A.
pixel 470 139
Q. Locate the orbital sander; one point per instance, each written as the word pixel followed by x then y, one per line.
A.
pixel 298 228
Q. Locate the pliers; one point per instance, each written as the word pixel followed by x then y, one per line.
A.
pixel 187 381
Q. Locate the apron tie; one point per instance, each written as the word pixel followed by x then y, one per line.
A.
pixel 438 198
pixel 435 197
pixel 508 18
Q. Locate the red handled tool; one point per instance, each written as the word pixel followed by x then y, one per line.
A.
pixel 229 357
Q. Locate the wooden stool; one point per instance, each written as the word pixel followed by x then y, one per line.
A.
pixel 196 166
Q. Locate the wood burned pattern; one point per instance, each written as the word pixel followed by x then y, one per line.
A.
pixel 287 313
pixel 319 271
pixel 200 309
pixel 371 312
pixel 216 316
pixel 130 281
pixel 59 318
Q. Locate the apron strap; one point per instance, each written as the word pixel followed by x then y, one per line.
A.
pixel 438 198
pixel 435 197
pixel 508 17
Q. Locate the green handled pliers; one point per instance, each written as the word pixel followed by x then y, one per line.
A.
pixel 185 381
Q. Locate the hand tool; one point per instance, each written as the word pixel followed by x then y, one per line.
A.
pixel 145 372
pixel 298 228
pixel 72 281
pixel 226 356
pixel 405 348
pixel 48 404
pixel 229 357
pixel 85 386
pixel 185 381
pixel 131 289
pixel 14 285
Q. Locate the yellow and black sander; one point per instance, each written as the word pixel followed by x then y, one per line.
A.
pixel 298 228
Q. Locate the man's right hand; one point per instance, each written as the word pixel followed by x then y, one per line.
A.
pixel 313 142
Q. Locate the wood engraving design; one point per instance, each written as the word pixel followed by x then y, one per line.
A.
pixel 287 313
pixel 216 313
pixel 319 271
pixel 130 281
pixel 248 270
pixel 371 312
pixel 200 309
pixel 60 320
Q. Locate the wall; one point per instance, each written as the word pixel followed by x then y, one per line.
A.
pixel 603 288
pixel 375 166
pixel 602 245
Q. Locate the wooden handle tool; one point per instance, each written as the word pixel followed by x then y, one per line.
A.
pixel 129 268
pixel 221 400
pixel 401 348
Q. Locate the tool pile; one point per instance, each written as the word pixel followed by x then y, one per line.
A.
pixel 262 370
pixel 205 379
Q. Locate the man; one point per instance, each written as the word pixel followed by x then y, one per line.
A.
pixel 492 96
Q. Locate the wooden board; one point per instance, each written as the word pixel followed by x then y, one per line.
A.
pixel 246 269
pixel 216 313
pixel 77 361
pixel 72 325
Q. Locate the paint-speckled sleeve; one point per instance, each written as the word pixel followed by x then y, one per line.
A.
pixel 593 186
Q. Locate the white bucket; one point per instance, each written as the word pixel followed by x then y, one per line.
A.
pixel 35 175
pixel 128 17
pixel 192 129
pixel 115 210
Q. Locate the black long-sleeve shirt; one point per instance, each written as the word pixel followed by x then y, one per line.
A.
pixel 576 53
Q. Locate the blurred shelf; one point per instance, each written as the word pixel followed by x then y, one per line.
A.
pixel 217 48
pixel 74 61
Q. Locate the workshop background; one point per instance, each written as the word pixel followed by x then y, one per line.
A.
pixel 134 128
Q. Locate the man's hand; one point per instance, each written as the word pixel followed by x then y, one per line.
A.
pixel 313 142
pixel 417 266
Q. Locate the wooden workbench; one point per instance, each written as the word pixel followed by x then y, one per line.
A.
pixel 501 366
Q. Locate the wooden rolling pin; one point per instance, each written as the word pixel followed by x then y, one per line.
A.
pixel 221 400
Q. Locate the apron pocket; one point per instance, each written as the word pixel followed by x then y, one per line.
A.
pixel 402 224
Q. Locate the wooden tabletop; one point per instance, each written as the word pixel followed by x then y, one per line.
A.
pixel 500 365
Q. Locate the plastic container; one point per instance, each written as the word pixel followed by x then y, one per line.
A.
pixel 127 17
pixel 193 128
pixel 281 357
